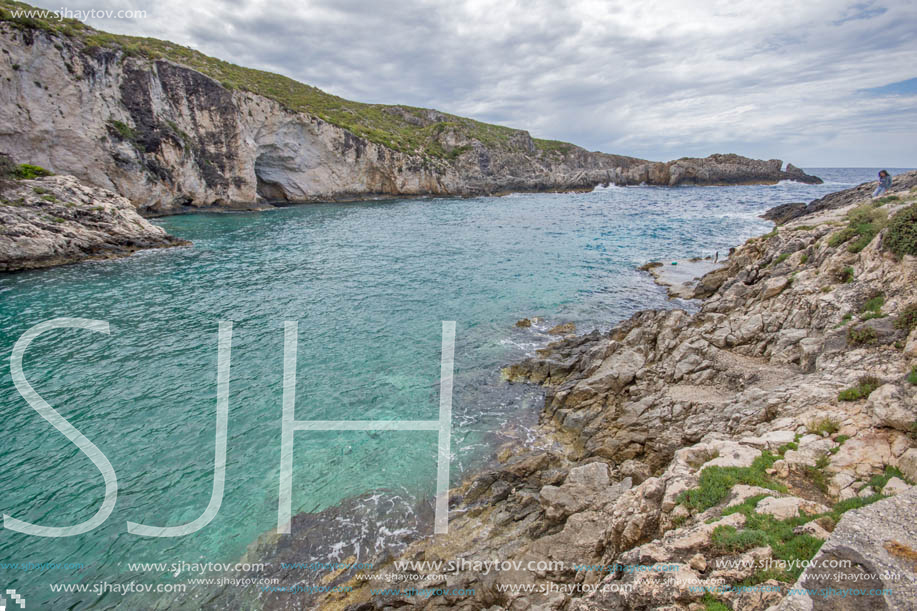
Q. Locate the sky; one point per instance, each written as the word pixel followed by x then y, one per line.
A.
pixel 818 84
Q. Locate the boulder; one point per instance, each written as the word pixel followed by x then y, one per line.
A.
pixel 891 406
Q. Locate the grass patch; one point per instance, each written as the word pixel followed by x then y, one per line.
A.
pixel 778 534
pixel 780 259
pixel 844 275
pixel 27 171
pixel 912 376
pixel 716 482
pixel 907 320
pixel 729 539
pixel 863 224
pixel 885 200
pixel 864 387
pixel 818 475
pixel 865 336
pixel 123 130
pixel 803 259
pixel 878 481
pixel 901 237
pixel 873 307
pixel 712 603
pixel 823 426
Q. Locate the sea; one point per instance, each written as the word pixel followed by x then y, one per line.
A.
pixel 369 285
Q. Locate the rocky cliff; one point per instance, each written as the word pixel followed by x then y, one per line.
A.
pixel 131 116
pixel 687 460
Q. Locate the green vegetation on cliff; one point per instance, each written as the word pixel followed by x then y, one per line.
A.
pixel 403 128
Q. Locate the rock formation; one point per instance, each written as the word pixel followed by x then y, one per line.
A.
pixel 840 199
pixel 691 458
pixel 57 220
pixel 170 138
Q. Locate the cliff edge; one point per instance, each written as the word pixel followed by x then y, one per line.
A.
pixel 173 130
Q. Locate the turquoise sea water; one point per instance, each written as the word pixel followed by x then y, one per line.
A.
pixel 369 284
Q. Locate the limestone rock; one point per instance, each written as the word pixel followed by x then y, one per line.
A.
pixel 894 486
pixel 892 407
pixel 788 507
pixel 879 542
pixel 58 220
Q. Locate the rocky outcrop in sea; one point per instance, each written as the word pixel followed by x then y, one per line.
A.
pixel 766 442
pixel 56 220
pixel 172 139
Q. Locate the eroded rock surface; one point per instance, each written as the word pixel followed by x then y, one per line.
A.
pixel 58 219
pixel 170 139
pixel 640 422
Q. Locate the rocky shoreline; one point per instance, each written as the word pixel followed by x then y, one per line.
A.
pixel 172 139
pixel 57 220
pixel 732 454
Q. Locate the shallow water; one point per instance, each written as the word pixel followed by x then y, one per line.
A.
pixel 369 284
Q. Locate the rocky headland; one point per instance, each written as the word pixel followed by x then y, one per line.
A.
pixel 55 220
pixel 766 442
pixel 174 130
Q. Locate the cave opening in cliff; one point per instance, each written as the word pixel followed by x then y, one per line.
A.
pixel 269 185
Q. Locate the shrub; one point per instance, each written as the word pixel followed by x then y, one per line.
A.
pixel 912 376
pixel 862 337
pixel 901 237
pixel 712 603
pixel 25 171
pixel 804 259
pixel 907 320
pixel 885 200
pixel 864 387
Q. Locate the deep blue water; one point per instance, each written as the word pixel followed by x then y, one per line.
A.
pixel 369 284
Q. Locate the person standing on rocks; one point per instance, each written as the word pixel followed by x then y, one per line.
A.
pixel 885 183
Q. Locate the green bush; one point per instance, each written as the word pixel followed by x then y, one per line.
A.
pixel 26 171
pixel 780 259
pixel 901 237
pixel 712 603
pixel 865 386
pixel 912 376
pixel 728 539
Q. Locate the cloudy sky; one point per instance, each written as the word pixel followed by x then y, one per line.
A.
pixel 820 83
